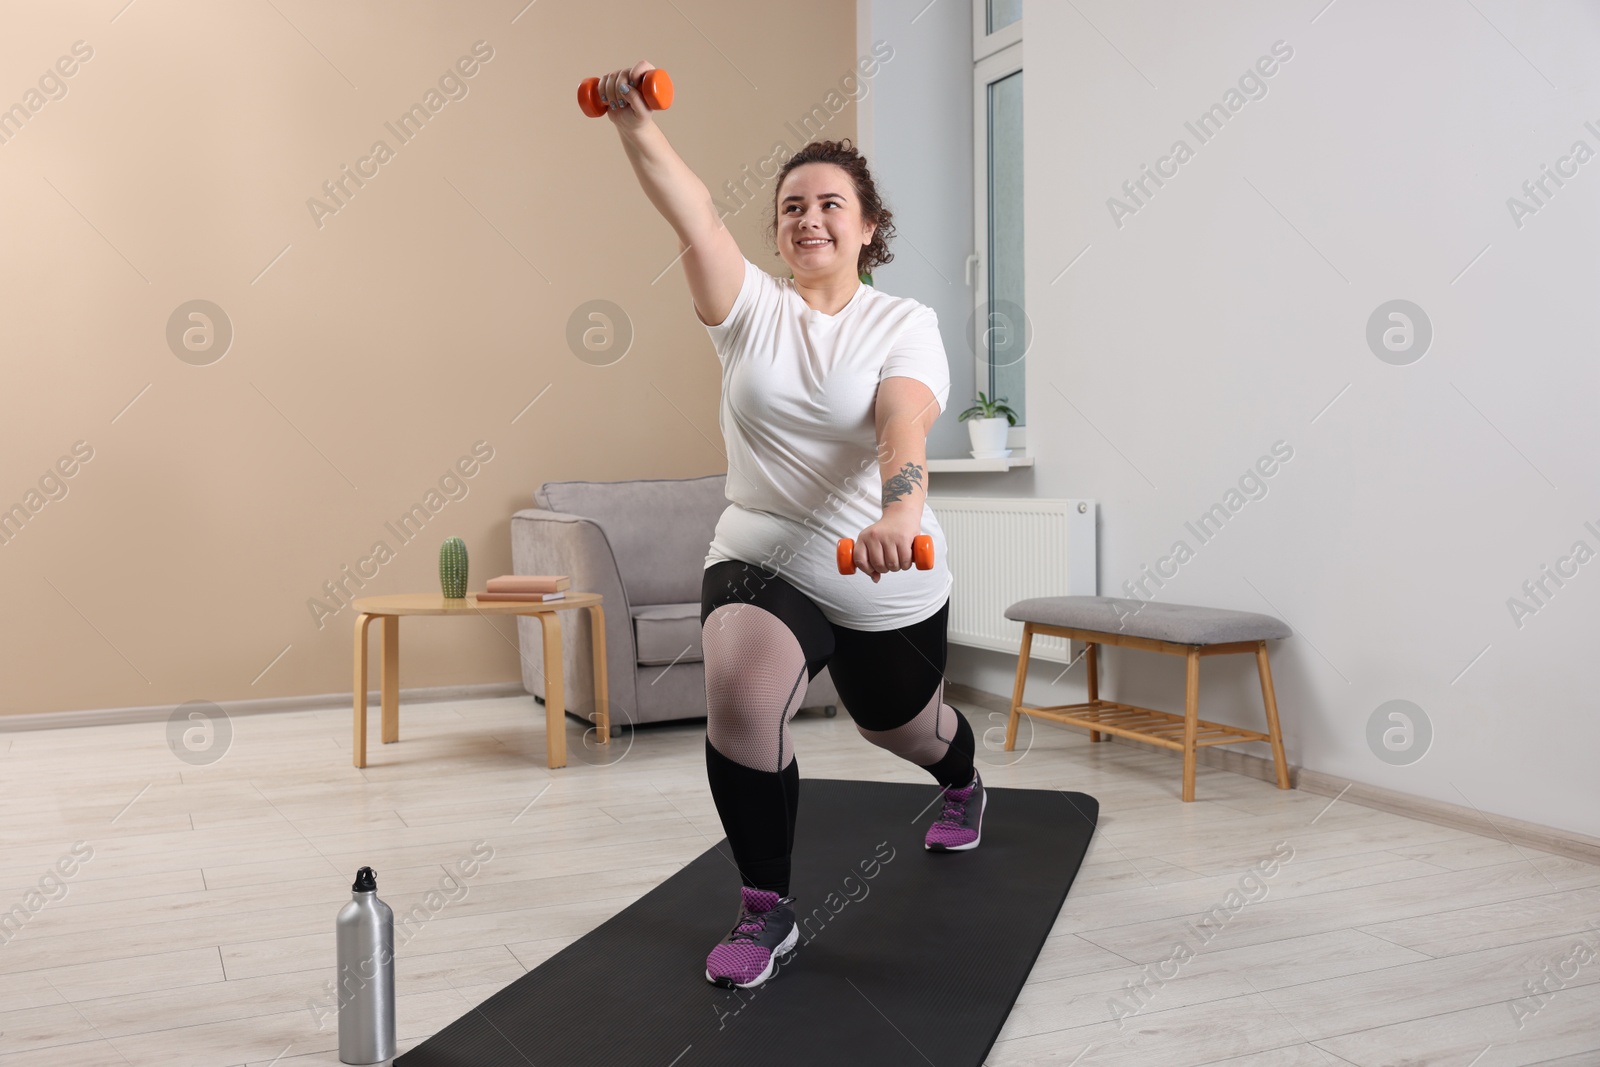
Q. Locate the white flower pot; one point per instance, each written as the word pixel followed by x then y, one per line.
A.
pixel 988 435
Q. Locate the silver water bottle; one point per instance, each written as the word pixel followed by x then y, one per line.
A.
pixel 366 974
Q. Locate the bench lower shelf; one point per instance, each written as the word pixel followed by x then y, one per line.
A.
pixel 1143 724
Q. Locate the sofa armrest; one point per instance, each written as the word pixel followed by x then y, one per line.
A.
pixel 552 542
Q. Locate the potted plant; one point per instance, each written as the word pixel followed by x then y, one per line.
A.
pixel 990 420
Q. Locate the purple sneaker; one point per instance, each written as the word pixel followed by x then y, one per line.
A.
pixel 765 933
pixel 960 824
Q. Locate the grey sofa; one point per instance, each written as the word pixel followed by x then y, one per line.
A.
pixel 642 546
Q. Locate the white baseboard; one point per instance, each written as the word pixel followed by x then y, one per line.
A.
pixel 1567 843
pixel 55 720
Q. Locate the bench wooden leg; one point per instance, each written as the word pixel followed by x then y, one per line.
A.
pixel 1191 713
pixel 1271 701
pixel 1093 653
pixel 1016 693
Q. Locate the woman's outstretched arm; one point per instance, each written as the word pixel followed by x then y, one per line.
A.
pixel 713 263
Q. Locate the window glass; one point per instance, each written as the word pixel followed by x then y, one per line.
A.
pixel 1003 13
pixel 1007 320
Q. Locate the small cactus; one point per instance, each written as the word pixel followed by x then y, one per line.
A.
pixel 453 568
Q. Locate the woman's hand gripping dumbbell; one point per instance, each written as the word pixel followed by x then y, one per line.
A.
pixel 649 85
pixel 891 551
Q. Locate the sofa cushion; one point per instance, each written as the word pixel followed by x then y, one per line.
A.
pixel 663 631
pixel 659 530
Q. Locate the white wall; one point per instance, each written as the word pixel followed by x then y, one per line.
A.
pixel 1230 312
pixel 916 128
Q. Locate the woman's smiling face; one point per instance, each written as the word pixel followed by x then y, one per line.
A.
pixel 820 229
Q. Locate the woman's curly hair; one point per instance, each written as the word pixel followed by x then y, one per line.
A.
pixel 844 155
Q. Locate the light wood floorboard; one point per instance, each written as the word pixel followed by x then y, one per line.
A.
pixel 200 930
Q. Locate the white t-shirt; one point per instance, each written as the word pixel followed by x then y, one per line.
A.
pixel 798 392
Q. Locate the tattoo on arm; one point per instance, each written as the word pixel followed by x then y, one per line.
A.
pixel 903 484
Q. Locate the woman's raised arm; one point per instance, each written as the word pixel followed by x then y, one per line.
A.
pixel 713 263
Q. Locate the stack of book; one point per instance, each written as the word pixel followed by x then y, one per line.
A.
pixel 526 587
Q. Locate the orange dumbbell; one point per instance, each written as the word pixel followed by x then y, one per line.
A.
pixel 656 86
pixel 921 553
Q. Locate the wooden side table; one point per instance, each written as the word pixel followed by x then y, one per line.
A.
pixel 390 608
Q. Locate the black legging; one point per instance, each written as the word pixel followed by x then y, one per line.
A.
pixel 885 678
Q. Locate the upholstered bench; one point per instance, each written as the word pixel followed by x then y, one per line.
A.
pixel 1178 629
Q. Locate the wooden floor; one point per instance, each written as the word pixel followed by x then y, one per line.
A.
pixel 200 929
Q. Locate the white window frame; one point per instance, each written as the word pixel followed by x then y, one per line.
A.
pixel 994 56
pixel 985 44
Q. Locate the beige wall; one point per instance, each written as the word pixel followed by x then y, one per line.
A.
pixel 210 503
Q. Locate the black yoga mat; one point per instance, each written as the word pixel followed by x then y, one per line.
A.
pixel 905 956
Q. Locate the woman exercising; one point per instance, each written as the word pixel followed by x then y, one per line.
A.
pixel 829 388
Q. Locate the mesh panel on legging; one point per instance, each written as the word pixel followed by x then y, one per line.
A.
pixel 926 738
pixel 755 680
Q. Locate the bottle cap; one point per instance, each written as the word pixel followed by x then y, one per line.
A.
pixel 366 881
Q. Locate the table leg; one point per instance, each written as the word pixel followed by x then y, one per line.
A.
pixel 358 743
pixel 602 699
pixel 555 698
pixel 390 662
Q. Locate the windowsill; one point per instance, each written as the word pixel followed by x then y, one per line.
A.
pixel 968 465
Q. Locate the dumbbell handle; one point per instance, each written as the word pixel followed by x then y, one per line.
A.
pixel 655 86
pixel 921 553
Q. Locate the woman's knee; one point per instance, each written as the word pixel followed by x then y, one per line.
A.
pixel 756 677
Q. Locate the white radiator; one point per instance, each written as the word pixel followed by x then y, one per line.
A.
pixel 1005 550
